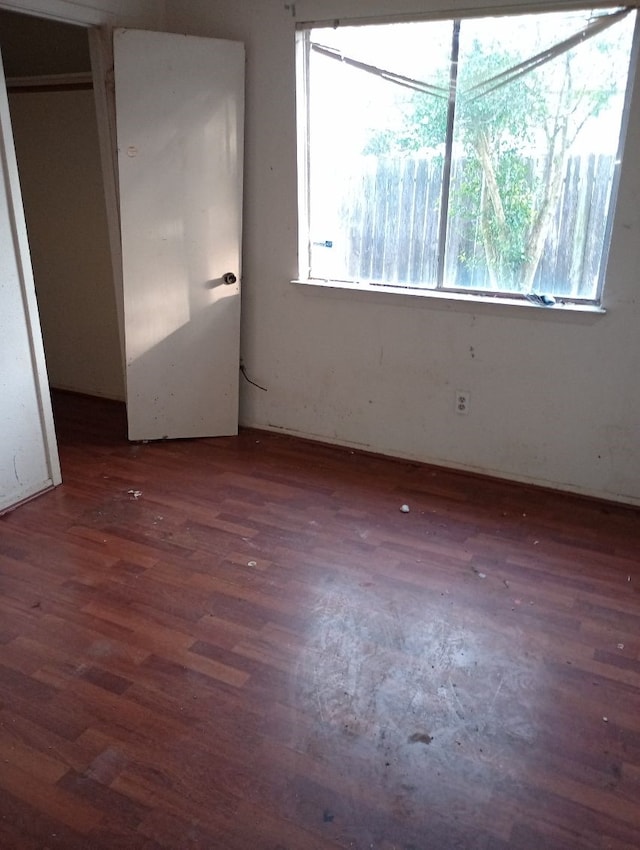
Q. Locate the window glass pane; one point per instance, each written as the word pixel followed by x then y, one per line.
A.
pixel 534 154
pixel 524 177
pixel 376 151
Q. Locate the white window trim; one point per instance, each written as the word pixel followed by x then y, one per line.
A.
pixel 459 299
pixel 333 13
pixel 304 25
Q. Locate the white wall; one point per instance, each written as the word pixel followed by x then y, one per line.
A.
pixel 56 139
pixel 554 396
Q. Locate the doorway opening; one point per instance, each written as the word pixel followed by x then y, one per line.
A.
pixel 169 305
pixel 47 66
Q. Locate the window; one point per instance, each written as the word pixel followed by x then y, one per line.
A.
pixel 476 155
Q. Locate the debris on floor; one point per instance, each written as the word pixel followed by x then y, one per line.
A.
pixel 135 494
pixel 405 509
pixel 420 738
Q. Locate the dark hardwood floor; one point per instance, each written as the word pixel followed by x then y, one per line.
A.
pixel 244 643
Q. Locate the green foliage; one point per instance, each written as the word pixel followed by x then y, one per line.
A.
pixel 508 114
pixel 515 179
pixel 424 127
pixel 511 141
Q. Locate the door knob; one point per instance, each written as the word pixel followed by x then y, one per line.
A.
pixel 229 277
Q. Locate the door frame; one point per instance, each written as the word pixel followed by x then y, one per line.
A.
pixel 29 301
pixel 99 36
pixel 102 73
pixel 101 52
pixel 99 21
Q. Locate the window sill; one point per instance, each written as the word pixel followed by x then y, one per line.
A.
pixel 453 300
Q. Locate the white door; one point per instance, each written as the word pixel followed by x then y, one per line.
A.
pixel 179 117
pixel 28 453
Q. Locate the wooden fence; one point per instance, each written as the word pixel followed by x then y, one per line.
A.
pixel 390 221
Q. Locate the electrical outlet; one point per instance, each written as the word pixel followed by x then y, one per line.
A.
pixel 462 402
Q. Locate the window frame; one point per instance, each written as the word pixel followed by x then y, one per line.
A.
pixel 302 52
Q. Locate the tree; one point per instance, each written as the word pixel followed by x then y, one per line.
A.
pixel 514 129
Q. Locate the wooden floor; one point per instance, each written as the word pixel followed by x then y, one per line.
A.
pixel 244 643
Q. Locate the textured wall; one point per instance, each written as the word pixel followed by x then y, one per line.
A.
pixel 554 395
